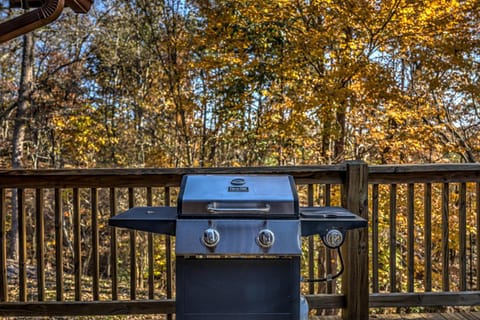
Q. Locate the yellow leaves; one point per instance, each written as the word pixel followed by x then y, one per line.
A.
pixel 80 135
pixel 255 80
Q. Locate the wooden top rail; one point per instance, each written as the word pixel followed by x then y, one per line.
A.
pixel 424 173
pixel 145 177
pixel 87 178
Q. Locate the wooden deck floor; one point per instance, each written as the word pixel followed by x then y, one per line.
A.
pixel 432 316
pixel 415 316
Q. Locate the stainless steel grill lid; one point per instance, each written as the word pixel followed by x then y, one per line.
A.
pixel 225 196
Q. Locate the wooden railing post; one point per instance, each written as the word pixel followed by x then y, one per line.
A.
pixel 355 250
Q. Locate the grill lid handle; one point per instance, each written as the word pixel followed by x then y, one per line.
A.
pixel 214 208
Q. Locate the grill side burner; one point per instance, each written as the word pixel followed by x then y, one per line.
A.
pixel 238 244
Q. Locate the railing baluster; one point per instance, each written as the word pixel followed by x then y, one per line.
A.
pixel 427 211
pixel 375 238
pixel 477 228
pixel 113 244
pixel 133 250
pixel 3 248
pixel 22 245
pixel 445 235
pixel 95 257
pixel 329 254
pixel 311 247
pixel 328 195
pixel 463 236
pixel 151 253
pixel 470 261
pixel 77 245
pixel 411 233
pixel 59 244
pixel 39 240
pixel 393 238
pixel 168 254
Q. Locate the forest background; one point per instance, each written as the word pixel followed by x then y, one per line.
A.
pixel 176 83
pixel 205 83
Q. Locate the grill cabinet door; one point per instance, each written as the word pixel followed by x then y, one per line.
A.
pixel 238 288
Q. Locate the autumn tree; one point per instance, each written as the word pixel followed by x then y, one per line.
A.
pixel 428 52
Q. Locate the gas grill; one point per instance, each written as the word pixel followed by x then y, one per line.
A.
pixel 238 244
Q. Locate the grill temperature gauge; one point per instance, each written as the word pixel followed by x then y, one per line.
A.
pixel 265 238
pixel 210 238
pixel 333 239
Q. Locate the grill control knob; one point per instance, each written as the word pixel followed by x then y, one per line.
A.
pixel 210 238
pixel 265 238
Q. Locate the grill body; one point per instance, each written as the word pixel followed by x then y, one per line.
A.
pixel 238 244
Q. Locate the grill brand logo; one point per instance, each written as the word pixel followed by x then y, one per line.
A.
pixel 237 182
pixel 237 185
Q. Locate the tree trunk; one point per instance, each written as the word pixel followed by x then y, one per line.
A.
pixel 339 143
pixel 24 97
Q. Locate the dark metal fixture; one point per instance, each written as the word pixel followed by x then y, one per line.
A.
pixel 46 12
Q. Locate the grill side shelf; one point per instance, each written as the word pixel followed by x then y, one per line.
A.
pixel 151 219
pixel 318 220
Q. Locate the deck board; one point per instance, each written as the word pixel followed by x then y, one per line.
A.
pixel 467 315
pixel 414 316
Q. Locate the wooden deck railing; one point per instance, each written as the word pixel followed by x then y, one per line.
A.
pixel 421 247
